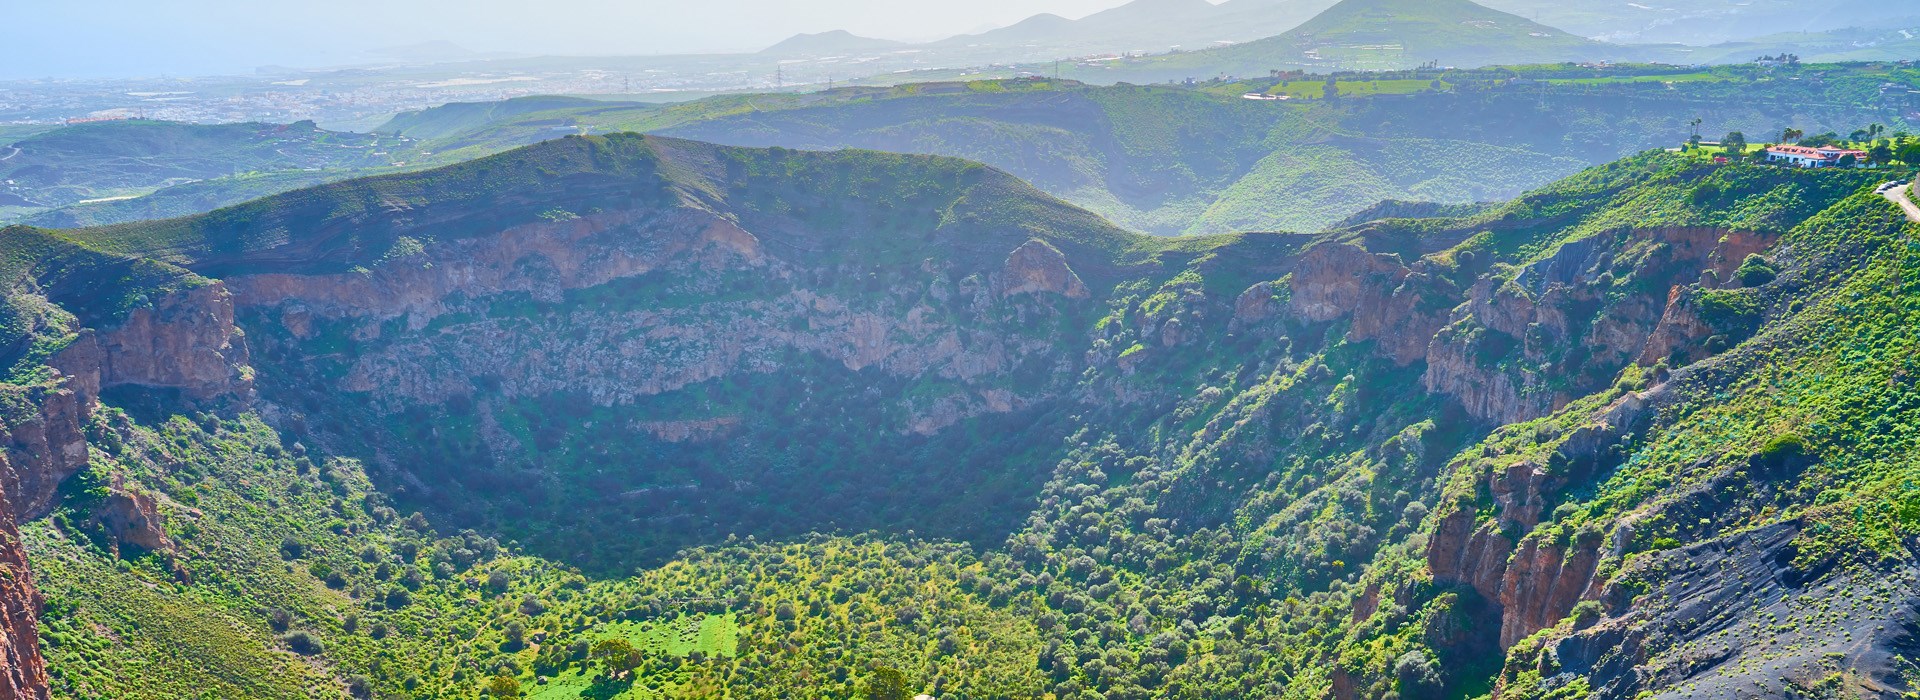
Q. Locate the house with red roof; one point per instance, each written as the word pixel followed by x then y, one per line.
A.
pixel 1813 157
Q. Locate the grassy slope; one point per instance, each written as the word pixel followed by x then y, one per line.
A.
pixel 104 159
pixel 186 199
pixel 455 118
pixel 336 226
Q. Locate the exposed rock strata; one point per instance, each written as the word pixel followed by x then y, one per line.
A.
pixel 1531 578
pixel 1566 324
pixel 23 673
pixel 185 341
pixel 1396 306
pixel 614 353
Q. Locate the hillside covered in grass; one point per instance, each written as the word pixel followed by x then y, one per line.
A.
pixel 1205 160
pixel 124 159
pixel 638 417
pixel 1179 159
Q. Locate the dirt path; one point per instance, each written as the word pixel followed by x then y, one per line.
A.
pixel 1901 196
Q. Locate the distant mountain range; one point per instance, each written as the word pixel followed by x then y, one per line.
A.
pixel 1158 26
pixel 1398 34
pixel 1161 40
pixel 1142 26
pixel 1702 22
pixel 829 44
pixel 1149 26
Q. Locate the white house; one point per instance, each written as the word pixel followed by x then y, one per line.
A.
pixel 1807 157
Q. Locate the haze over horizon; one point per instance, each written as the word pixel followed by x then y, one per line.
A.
pixel 216 37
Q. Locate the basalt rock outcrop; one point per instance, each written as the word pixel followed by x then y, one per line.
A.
pixel 1735 617
pixel 1396 306
pixel 185 342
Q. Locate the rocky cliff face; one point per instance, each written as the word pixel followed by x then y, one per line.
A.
pixel 573 307
pixel 1532 575
pixel 23 673
pixel 185 342
pixel 1396 306
pixel 1533 584
pixel 45 440
pixel 1518 347
pixel 1563 326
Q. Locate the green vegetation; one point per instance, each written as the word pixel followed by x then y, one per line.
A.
pixel 1192 159
pixel 712 473
pixel 123 159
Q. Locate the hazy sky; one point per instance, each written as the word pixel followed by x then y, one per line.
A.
pixel 91 38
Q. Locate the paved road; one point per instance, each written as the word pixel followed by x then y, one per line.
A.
pixel 1898 195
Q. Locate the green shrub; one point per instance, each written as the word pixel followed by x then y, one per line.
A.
pixel 1783 449
pixel 1755 271
pixel 1731 313
pixel 304 643
pixel 1586 613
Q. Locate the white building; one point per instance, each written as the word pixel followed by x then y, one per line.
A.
pixel 1806 157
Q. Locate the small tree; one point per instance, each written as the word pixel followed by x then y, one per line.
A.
pixel 887 684
pixel 1735 143
pixel 516 634
pixel 1418 676
pixel 502 687
pixel 617 656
